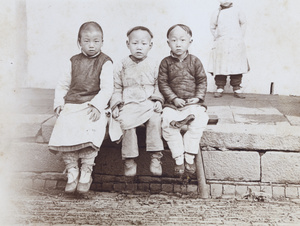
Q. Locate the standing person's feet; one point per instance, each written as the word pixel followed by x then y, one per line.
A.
pixel 238 94
pixel 219 93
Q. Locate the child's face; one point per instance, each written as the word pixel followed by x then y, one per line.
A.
pixel 91 41
pixel 179 41
pixel 139 43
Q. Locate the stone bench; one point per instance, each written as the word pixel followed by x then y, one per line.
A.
pixel 46 129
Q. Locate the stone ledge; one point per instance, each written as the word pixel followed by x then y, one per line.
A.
pixel 252 137
pixel 26 157
pixel 232 136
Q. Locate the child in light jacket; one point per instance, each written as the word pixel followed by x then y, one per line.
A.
pixel 136 100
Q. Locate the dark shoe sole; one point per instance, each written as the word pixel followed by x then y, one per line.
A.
pixel 238 95
pixel 186 121
pixel 218 95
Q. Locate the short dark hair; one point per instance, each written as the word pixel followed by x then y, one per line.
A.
pixel 139 28
pixel 184 27
pixel 88 25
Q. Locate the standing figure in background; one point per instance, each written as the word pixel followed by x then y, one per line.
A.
pixel 81 99
pixel 136 101
pixel 228 55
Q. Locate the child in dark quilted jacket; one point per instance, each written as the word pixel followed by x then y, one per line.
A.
pixel 182 81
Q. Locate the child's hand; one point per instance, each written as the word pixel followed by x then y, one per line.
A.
pixel 193 101
pixel 115 112
pixel 58 110
pixel 179 102
pixel 94 113
pixel 157 107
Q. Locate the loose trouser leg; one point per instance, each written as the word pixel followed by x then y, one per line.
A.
pixel 172 136
pixel 130 144
pixel 220 81
pixel 70 159
pixel 195 130
pixel 235 81
pixel 154 140
pixel 87 156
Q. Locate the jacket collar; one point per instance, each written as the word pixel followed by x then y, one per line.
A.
pixel 136 60
pixel 90 56
pixel 186 54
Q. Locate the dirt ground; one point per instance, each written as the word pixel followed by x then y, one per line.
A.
pixel 98 208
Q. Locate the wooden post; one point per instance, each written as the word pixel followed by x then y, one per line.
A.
pixel 203 190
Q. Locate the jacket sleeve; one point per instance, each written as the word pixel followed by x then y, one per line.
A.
pixel 163 83
pixel 214 24
pixel 100 101
pixel 117 97
pixel 201 80
pixel 156 96
pixel 62 88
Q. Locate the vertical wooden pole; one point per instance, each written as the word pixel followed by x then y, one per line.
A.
pixel 203 190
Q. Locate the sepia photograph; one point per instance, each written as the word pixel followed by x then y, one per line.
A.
pixel 150 112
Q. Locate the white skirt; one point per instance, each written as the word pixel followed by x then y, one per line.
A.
pixel 228 57
pixel 74 130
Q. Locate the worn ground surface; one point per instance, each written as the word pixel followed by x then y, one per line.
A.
pixel 55 207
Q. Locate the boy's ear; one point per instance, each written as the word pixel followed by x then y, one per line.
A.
pixel 151 44
pixel 127 43
pixel 191 41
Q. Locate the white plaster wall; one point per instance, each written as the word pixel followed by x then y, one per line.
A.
pixel 272 36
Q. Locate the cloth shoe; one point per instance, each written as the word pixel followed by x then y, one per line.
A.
pixel 190 168
pixel 238 94
pixel 179 170
pixel 219 93
pixel 186 121
pixel 73 177
pixel 130 167
pixel 85 180
pixel 155 167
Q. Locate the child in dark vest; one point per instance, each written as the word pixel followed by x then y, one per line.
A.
pixel 182 81
pixel 81 99
pixel 137 100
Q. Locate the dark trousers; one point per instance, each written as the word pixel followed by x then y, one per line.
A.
pixel 235 81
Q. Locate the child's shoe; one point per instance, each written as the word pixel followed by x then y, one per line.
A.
pixel 186 121
pixel 190 166
pixel 179 166
pixel 219 93
pixel 179 170
pixel 130 167
pixel 73 177
pixel 155 164
pixel 238 94
pixel 85 180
